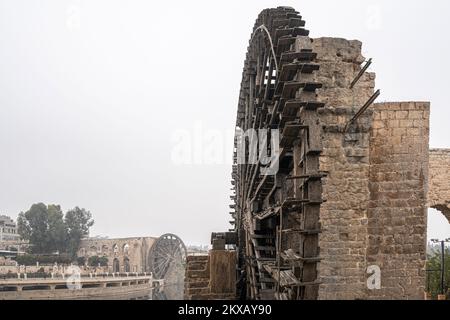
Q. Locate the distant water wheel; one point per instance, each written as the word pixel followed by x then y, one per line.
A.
pixel 168 252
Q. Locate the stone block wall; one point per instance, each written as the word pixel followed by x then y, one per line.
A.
pixel 375 190
pixel 345 159
pixel 343 216
pixel 397 213
pixel 197 278
pixel 135 250
pixel 439 181
pixel 211 277
pixel 340 61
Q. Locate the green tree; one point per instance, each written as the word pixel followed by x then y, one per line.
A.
pixel 23 227
pixel 49 230
pixel 31 259
pixel 77 221
pixel 57 229
pixel 81 261
pixel 94 261
pixel 33 226
pixel 434 273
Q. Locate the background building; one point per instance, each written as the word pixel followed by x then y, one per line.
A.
pixel 164 257
pixel 8 229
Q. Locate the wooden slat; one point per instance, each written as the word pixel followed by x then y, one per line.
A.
pixel 264 248
pixel 262 236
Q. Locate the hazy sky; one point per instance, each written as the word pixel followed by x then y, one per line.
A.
pixel 93 93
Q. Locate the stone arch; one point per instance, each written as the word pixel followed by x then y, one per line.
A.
pixel 437 226
pixel 444 209
pixel 93 250
pixel 126 249
pixel 105 250
pixel 115 249
pixel 82 252
pixel 126 264
pixel 439 181
pixel 116 265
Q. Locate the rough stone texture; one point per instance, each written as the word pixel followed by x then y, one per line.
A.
pixel 196 283
pixel 375 212
pixel 345 158
pixel 344 216
pixel 201 269
pixel 340 61
pixel 397 215
pixel 439 181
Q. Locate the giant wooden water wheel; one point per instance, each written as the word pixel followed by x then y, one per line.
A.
pixel 276 212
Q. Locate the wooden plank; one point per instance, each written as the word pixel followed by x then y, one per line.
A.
pixel 291 22
pixel 287 278
pixel 265 248
pixel 291 87
pixel 285 41
pixel 299 56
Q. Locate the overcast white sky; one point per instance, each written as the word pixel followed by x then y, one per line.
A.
pixel 92 91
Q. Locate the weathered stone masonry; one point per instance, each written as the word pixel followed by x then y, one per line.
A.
pixel 397 213
pixel 124 255
pixel 439 178
pixel 345 159
pixel 376 184
pixel 211 277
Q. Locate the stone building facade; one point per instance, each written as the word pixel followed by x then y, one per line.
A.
pixel 124 255
pixel 8 229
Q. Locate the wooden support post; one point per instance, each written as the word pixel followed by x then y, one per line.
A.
pixel 223 271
